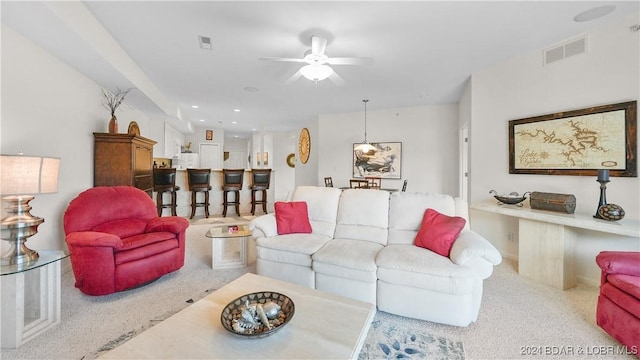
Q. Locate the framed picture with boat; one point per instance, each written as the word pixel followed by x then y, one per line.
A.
pixel 385 161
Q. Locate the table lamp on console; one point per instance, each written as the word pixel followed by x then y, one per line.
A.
pixel 23 176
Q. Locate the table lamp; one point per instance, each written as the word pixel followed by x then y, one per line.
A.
pixel 21 177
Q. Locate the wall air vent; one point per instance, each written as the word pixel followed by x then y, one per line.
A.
pixel 205 42
pixel 560 52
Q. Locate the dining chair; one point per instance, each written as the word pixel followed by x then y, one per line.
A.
pixel 328 181
pixel 374 182
pixel 358 184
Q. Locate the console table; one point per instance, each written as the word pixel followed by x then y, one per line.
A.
pixel 547 240
pixel 30 298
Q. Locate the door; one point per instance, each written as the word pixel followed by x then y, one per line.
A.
pixel 210 156
pixel 464 163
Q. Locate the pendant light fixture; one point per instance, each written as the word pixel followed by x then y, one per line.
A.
pixel 365 147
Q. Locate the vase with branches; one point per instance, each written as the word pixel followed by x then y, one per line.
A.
pixel 111 101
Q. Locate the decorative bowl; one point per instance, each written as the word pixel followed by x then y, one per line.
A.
pixel 234 309
pixel 611 212
pixel 511 199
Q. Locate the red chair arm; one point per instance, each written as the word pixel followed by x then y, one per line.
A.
pixel 93 239
pixel 172 224
pixel 619 262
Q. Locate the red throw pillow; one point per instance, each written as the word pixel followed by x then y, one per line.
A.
pixel 438 232
pixel 292 217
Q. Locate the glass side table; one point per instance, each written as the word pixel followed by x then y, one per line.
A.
pixel 30 298
pixel 228 245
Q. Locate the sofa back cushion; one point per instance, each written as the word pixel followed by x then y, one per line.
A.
pixel 406 210
pixel 322 205
pixel 107 207
pixel 363 214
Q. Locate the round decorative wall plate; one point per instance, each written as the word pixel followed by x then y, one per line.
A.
pixel 291 160
pixel 133 128
pixel 304 145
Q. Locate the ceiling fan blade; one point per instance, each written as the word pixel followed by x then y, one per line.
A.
pixel 336 79
pixel 350 61
pixel 281 59
pixel 293 78
pixel 318 45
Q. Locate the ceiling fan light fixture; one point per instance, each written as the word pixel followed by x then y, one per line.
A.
pixel 316 72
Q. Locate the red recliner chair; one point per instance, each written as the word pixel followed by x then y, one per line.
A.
pixel 618 310
pixel 118 242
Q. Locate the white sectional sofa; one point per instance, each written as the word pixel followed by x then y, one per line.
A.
pixel 361 246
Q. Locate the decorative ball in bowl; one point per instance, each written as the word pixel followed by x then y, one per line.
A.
pixel 258 314
pixel 512 199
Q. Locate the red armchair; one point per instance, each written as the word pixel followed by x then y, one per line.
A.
pixel 618 309
pixel 118 242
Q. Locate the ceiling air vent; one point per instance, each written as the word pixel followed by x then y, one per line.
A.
pixel 205 42
pixel 563 51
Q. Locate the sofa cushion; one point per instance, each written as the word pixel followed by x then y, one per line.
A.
pixel 292 217
pixel 408 265
pixel 137 241
pixel 347 258
pixel 438 231
pixel 627 283
pixel 406 211
pixel 621 298
pixel 322 205
pixel 291 249
pixel 363 214
pixel 123 227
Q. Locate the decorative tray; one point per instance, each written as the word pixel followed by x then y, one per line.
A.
pixel 512 199
pixel 246 316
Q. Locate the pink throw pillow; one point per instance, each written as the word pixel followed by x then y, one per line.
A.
pixel 438 232
pixel 292 217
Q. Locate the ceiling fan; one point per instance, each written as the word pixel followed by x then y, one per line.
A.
pixel 317 68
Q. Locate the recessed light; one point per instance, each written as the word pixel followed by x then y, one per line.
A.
pixel 236 110
pixel 201 120
pixel 195 106
pixel 234 122
pixel 251 89
pixel 595 13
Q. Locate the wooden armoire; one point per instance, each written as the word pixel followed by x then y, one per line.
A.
pixel 123 159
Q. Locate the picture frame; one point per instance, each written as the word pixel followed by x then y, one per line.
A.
pixel 209 135
pixel 577 142
pixel 385 162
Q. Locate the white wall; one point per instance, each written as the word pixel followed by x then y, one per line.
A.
pixel 521 87
pixel 285 176
pixel 429 136
pixel 50 109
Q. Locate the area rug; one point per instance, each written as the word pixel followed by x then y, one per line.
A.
pixel 224 220
pixel 395 337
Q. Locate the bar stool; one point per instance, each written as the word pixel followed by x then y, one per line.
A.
pixel 231 183
pixel 261 180
pixel 164 180
pixel 199 181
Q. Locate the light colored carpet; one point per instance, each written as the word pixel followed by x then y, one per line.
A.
pixel 516 315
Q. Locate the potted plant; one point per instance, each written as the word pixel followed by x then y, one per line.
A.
pixel 111 101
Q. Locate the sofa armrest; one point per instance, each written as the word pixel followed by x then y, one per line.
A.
pixel 93 239
pixel 264 226
pixel 172 224
pixel 470 245
pixel 619 262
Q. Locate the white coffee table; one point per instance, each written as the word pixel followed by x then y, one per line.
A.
pixel 228 248
pixel 324 326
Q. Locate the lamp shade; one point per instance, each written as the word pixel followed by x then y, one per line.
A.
pixel 316 72
pixel 28 175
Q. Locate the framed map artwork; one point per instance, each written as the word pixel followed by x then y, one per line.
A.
pixel 577 142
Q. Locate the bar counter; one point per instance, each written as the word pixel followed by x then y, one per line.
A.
pixel 183 207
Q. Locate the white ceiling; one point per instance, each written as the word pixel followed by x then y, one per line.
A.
pixel 423 51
